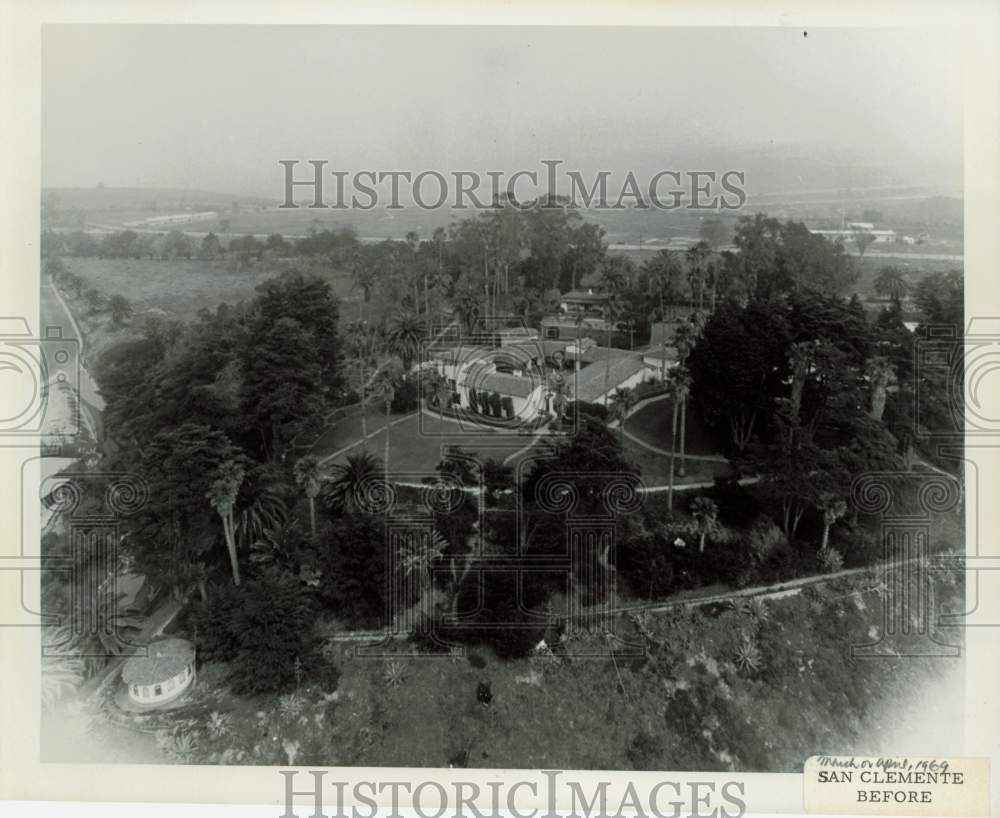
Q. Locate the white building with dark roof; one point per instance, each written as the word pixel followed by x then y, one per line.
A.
pixel 597 382
pixel 163 674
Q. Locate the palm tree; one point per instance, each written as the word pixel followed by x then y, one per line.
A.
pixel 578 319
pixel 697 258
pixel 307 476
pixel 712 281
pixel 466 307
pixel 385 387
pixel 682 380
pixel 440 390
pixel 365 277
pixel 403 338
pixel 621 404
pixel 833 508
pixel 672 385
pixel 363 338
pixel 345 487
pixel 801 358
pixel 560 391
pixel 612 309
pixel 222 497
pixel 265 511
pixel 663 284
pixel 881 374
pixel 890 283
pixel 705 511
pixel 683 342
pixel 418 556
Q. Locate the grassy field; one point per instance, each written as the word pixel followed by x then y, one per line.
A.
pixel 182 288
pixel 652 423
pixel 417 441
pixel 655 467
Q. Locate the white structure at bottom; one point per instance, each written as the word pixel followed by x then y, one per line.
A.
pixel 163 674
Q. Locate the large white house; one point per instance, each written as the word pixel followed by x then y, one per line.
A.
pixel 504 384
pixel 511 383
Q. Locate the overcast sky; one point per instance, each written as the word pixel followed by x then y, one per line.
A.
pixel 215 107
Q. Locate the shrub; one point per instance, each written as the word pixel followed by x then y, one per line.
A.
pixel 406 398
pixel 353 558
pixel 764 538
pixel 859 545
pixel 263 628
pixel 598 411
pixel 490 613
pixel 644 751
pixel 216 640
pixel 644 562
pixel 830 560
pixel 737 504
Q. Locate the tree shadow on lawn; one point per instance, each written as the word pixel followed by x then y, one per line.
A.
pixel 652 422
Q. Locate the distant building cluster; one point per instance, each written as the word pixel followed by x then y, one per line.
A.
pixel 175 218
pixel 854 228
pixel 508 377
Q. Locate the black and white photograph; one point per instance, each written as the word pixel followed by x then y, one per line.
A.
pixel 506 397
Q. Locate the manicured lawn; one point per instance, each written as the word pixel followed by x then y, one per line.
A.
pixel 652 424
pixel 417 442
pixel 345 430
pixel 656 467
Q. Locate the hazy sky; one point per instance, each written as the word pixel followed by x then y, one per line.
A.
pixel 215 107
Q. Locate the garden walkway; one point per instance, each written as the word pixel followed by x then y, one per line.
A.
pixel 774 591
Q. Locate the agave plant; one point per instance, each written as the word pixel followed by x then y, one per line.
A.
pixel 219 724
pixel 290 705
pixel 830 559
pixel 394 674
pixel 61 674
pixel 176 745
pixel 748 658
pixel 758 609
pixel 739 605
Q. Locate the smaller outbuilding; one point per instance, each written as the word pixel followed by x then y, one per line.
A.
pixel 163 674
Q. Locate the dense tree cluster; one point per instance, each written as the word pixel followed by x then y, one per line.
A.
pixel 806 388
